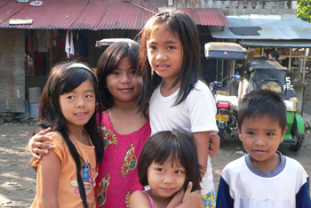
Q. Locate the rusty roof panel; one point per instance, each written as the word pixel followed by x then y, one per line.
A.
pixel 96 14
pixel 91 15
pixel 53 14
pixel 9 8
pixel 207 16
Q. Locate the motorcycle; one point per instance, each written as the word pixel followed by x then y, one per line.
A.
pixel 226 117
pixel 226 102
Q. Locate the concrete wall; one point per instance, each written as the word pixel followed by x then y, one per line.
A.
pixel 12 72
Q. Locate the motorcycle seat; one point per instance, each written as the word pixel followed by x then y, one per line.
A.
pixel 233 100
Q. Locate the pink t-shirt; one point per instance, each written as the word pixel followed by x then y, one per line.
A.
pixel 117 175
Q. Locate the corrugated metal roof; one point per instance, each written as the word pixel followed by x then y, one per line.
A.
pixel 8 9
pixel 95 14
pixel 274 27
pixel 207 16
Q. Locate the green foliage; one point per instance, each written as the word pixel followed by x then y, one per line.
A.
pixel 304 10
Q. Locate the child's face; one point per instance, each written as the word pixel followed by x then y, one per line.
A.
pixel 261 137
pixel 123 83
pixel 165 53
pixel 78 106
pixel 165 180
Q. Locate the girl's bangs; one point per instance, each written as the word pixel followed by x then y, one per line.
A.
pixel 73 78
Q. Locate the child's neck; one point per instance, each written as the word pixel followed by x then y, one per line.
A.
pixel 166 89
pixel 125 117
pixel 78 133
pixel 125 106
pixel 269 164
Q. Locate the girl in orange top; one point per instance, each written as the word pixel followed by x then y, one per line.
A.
pixel 66 176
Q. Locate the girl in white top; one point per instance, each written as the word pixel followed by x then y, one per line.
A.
pixel 170 63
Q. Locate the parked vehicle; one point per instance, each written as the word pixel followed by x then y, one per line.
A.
pixel 268 74
pixel 226 102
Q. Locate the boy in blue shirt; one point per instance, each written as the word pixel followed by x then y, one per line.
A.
pixel 263 178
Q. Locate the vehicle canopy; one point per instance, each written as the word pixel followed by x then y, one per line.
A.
pixel 224 50
pixel 269 74
pixel 109 41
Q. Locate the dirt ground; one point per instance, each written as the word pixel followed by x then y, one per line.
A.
pixel 18 179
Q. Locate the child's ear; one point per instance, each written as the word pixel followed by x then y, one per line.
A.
pixel 240 134
pixel 283 134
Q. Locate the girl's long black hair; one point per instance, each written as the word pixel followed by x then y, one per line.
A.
pixel 61 81
pixel 183 26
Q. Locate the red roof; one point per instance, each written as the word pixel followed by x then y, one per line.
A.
pixel 96 14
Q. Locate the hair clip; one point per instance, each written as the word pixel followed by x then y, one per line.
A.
pixel 75 65
pixel 78 65
pixel 168 15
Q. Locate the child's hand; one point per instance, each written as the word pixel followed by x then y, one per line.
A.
pixel 36 145
pixel 192 199
pixel 214 144
pixel 177 199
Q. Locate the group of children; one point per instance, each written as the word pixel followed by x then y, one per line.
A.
pixel 153 145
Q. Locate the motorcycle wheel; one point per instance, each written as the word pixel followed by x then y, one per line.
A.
pixel 221 134
pixel 298 145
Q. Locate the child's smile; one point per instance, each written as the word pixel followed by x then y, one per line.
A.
pixel 123 83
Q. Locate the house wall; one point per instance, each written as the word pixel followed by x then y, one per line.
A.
pixel 12 72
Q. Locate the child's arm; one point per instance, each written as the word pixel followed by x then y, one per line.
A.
pixel 50 170
pixel 303 196
pixel 202 144
pixel 139 200
pixel 214 144
pixel 224 200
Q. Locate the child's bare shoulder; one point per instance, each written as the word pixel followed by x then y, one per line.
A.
pixel 139 200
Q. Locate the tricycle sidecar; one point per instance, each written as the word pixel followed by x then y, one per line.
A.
pixel 268 74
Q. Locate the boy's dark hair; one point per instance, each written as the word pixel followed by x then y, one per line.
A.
pixel 176 144
pixel 60 81
pixel 109 61
pixel 183 27
pixel 275 54
pixel 259 103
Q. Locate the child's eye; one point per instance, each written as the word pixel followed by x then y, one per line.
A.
pixel 115 73
pixel 179 172
pixel 251 133
pixel 270 134
pixel 160 169
pixel 89 96
pixel 171 47
pixel 152 47
pixel 133 72
pixel 70 97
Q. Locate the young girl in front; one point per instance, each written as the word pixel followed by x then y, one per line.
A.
pixel 176 97
pixel 66 176
pixel 168 162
